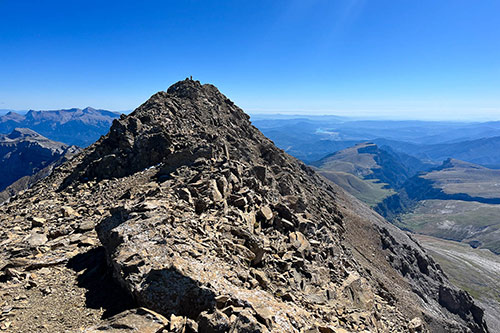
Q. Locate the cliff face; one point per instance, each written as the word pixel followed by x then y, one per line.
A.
pixel 453 180
pixel 211 228
pixel 368 161
pixel 24 152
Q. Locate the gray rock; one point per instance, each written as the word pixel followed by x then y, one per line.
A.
pixel 36 239
pixel 216 322
pixel 135 320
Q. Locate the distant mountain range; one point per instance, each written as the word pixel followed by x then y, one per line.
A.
pixel 312 138
pixel 479 151
pixel 80 127
pixel 24 153
pixel 34 142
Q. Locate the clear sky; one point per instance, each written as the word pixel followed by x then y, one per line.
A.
pixel 379 58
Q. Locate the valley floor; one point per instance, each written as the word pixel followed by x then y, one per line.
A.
pixel 456 220
pixel 474 270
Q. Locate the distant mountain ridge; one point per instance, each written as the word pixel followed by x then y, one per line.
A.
pixel 5 111
pixel 479 151
pixel 311 138
pixel 369 172
pixel 80 127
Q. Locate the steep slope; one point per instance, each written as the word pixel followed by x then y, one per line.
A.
pixel 24 152
pixel 370 191
pixel 211 228
pixel 474 270
pixel 26 182
pixel 73 126
pixel 458 201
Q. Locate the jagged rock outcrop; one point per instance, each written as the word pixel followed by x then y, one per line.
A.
pixel 211 228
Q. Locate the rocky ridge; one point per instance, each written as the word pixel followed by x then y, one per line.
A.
pixel 208 227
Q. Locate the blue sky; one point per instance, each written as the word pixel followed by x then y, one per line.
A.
pixel 399 59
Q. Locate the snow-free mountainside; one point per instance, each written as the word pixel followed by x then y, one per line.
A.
pixel 186 218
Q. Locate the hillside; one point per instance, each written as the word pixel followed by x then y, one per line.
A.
pixel 454 177
pixel 24 152
pixel 369 191
pixel 369 172
pixel 208 227
pixel 474 270
pixel 73 126
pixel 456 201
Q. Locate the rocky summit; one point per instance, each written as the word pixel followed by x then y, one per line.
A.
pixel 185 218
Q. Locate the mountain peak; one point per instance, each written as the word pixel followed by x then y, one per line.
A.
pixel 18 133
pixel 205 218
pixel 188 121
pixel 193 89
pixel 186 88
pixel 88 109
pixel 11 116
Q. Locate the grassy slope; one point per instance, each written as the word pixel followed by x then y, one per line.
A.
pixel 355 170
pixel 468 178
pixel 456 220
pixel 474 270
pixel 453 218
pixel 368 191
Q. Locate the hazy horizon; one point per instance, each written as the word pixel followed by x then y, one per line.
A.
pixel 304 114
